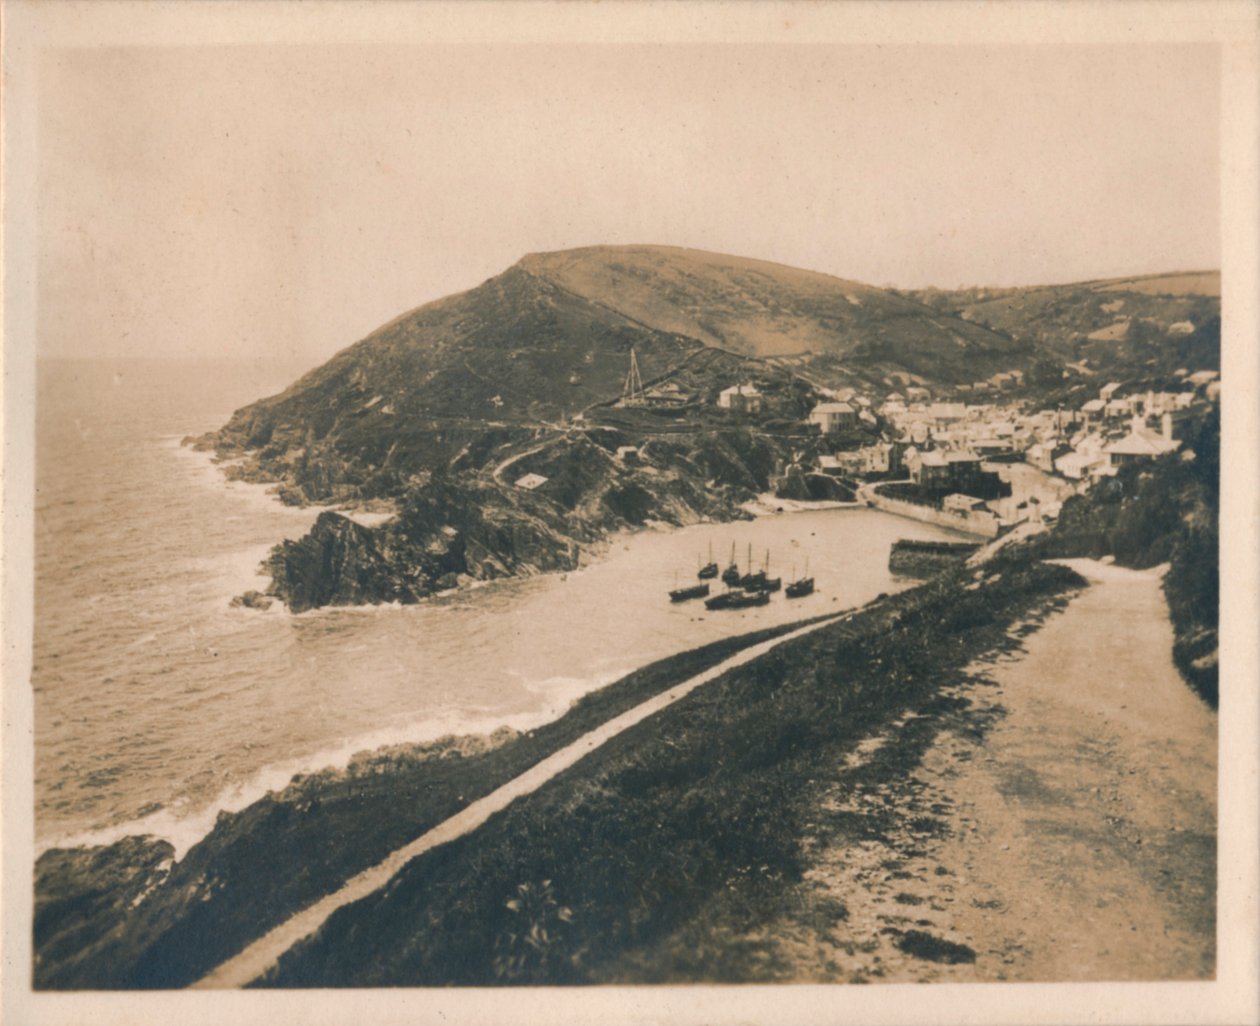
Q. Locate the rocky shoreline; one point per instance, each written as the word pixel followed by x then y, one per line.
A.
pixel 460 526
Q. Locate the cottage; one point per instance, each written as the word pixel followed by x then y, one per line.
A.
pixel 530 481
pixel 965 472
pixel 947 413
pixel 1093 409
pixel 928 469
pixel 628 454
pixel 1138 446
pixel 833 417
pixel 1043 455
pixel 1080 465
pixel 740 399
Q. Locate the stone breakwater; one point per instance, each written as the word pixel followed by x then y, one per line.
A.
pixel 927 558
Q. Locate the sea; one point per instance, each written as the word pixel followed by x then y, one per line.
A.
pixel 158 704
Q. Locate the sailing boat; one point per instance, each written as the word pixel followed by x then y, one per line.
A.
pixel 683 594
pixel 769 583
pixel 736 599
pixel 802 586
pixel 731 575
pixel 710 569
pixel 750 580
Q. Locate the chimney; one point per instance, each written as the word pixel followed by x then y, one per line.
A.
pixel 1165 426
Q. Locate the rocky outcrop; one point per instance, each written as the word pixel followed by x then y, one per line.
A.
pixel 81 896
pixel 452 527
pixel 340 562
pixel 128 916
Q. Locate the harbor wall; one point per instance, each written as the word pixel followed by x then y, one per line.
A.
pixel 981 527
pixel 911 558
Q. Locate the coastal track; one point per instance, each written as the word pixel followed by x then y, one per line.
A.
pixel 1071 787
pixel 262 954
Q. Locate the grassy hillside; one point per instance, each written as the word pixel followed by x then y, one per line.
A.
pixel 763 309
pixel 1120 327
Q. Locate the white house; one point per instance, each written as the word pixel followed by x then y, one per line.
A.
pixel 530 481
pixel 832 417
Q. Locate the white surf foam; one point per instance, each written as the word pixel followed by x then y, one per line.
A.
pixel 183 825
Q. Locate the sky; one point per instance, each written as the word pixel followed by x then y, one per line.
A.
pixel 283 201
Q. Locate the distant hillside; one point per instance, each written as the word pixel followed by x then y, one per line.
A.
pixel 1122 327
pixel 761 309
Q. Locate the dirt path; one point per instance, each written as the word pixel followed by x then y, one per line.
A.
pixel 1061 824
pixel 263 953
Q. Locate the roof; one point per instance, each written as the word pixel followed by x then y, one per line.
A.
pixel 1135 444
pixel 530 481
pixel 832 408
pixel 962 457
pixel 741 390
pixel 1093 405
pixel 933 459
pixel 1076 459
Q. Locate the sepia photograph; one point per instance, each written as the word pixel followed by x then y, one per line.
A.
pixel 652 513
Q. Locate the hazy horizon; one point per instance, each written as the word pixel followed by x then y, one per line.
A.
pixel 283 202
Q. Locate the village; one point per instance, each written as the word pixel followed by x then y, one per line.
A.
pixel 985 465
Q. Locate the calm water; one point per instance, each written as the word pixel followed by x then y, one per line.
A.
pixel 156 702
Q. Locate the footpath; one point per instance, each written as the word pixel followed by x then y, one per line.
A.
pixel 1075 787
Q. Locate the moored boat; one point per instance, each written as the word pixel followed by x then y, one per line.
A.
pixel 731 574
pixel 683 594
pixel 802 586
pixel 744 599
pixel 710 569
pixel 722 600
